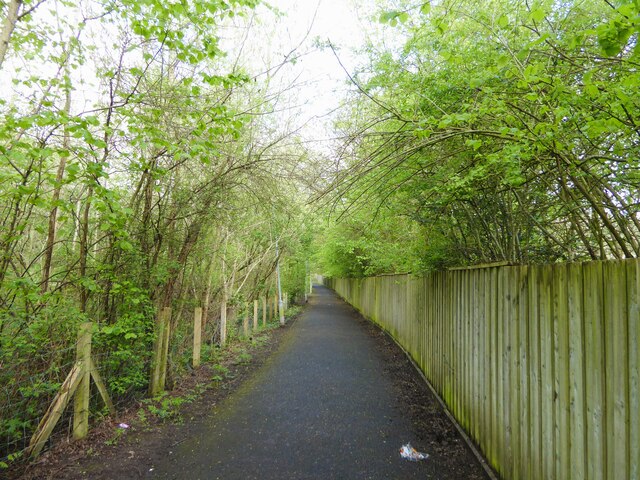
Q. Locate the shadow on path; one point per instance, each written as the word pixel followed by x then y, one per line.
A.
pixel 323 407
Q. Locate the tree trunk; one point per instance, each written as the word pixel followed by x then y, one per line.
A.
pixel 8 27
pixel 53 214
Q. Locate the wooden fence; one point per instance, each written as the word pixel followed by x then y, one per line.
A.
pixel 77 383
pixel 539 364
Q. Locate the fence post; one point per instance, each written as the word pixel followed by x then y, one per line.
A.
pixel 223 323
pixel 245 320
pixel 255 314
pixel 282 309
pixel 83 392
pixel 264 311
pixel 165 346
pixel 197 335
pixel 160 352
pixel 157 347
pixel 275 307
pixel 164 352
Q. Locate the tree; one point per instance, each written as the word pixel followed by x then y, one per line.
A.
pixel 507 131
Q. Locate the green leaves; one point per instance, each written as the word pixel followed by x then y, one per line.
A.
pixel 537 15
pixel 502 110
pixel 392 17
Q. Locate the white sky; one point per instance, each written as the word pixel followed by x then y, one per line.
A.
pixel 321 82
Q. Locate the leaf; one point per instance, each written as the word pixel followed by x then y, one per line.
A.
pixel 503 21
pixel 473 143
pixel 537 15
pixel 425 8
pixel 591 90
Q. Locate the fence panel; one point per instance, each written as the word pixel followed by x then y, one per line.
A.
pixel 539 364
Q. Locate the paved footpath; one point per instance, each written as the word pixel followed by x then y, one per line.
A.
pixel 320 408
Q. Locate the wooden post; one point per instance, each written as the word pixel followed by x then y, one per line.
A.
pixel 160 351
pixel 165 346
pixel 275 307
pixel 155 364
pixel 197 336
pixel 245 320
pixel 223 323
pixel 264 311
pixel 102 389
pixel 83 392
pixel 53 414
pixel 255 314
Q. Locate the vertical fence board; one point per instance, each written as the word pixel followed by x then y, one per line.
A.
pixel 576 372
pixel 547 377
pixel 456 325
pixel 617 373
pixel 593 288
pixel 561 377
pixel 496 432
pixel 633 301
pixel 535 388
pixel 478 355
pixel 514 369
pixel 505 360
pixel 524 418
pixel 470 339
pixel 487 431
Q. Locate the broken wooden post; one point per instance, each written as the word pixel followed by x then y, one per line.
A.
pixel 102 389
pixel 83 392
pixel 223 323
pixel 197 335
pixel 53 414
pixel 77 383
pixel 245 320
pixel 264 311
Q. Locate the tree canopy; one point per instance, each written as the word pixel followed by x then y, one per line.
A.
pixel 492 131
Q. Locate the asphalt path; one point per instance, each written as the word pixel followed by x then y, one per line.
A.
pixel 320 408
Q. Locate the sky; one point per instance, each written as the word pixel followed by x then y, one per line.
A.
pixel 320 81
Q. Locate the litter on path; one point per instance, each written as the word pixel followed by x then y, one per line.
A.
pixel 410 453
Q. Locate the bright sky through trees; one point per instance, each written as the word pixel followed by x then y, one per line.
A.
pixel 320 82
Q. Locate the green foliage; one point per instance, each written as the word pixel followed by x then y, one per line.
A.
pixel 500 131
pixel 166 407
pixel 157 194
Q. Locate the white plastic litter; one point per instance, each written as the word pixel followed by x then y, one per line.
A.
pixel 411 454
pixel 123 425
